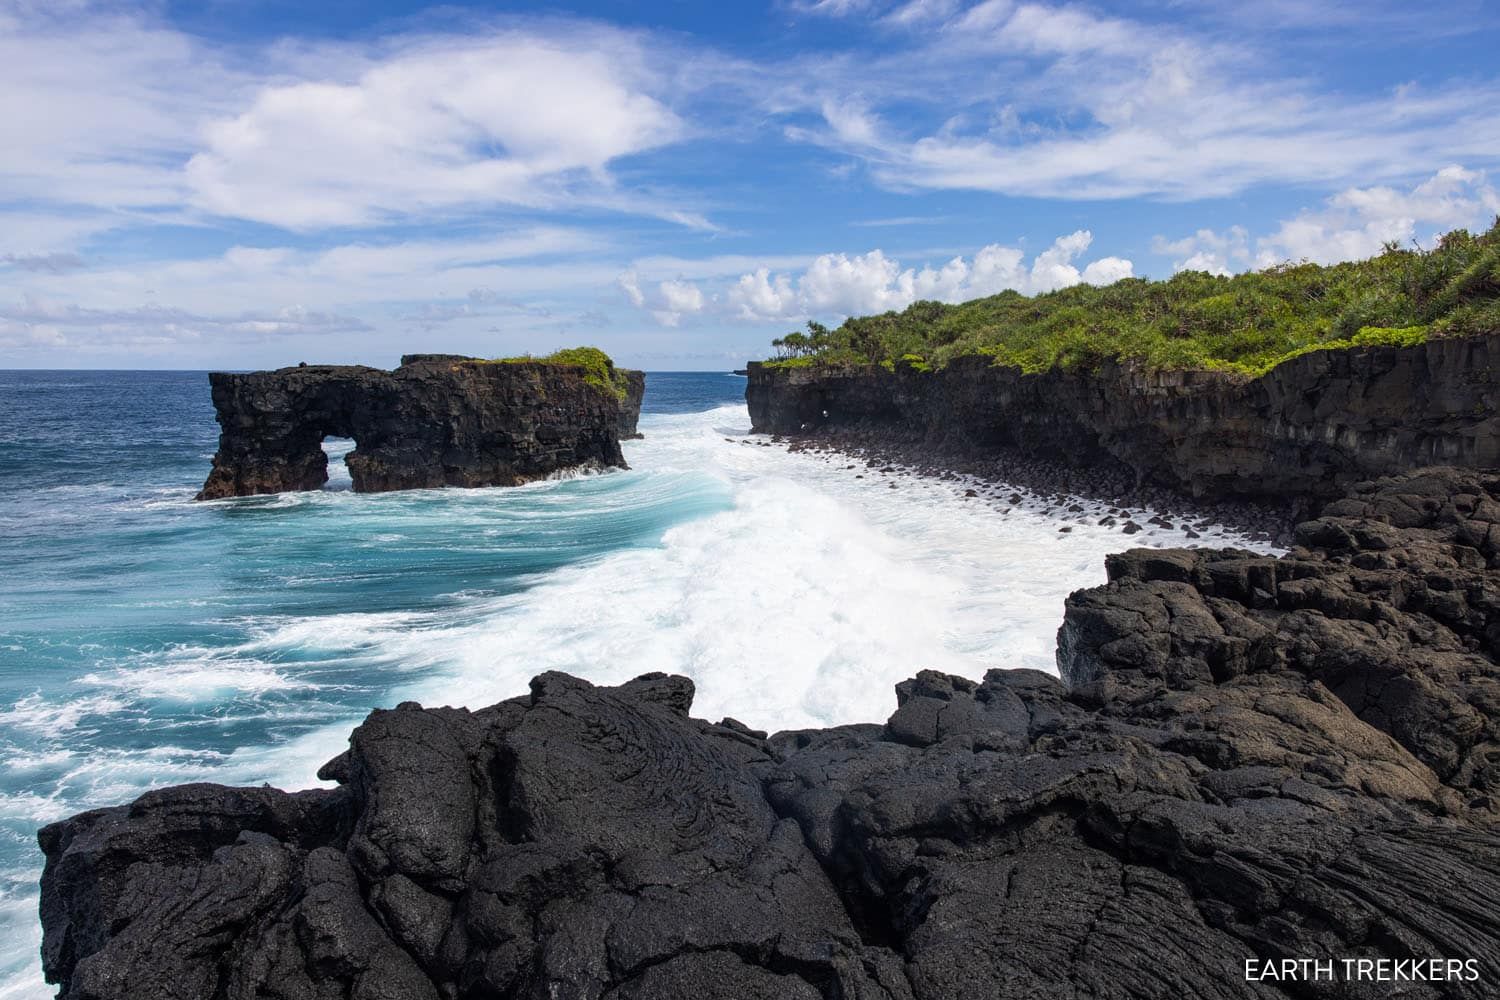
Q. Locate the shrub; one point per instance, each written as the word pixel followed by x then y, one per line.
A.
pixel 598 368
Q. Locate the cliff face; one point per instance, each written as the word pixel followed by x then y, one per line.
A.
pixel 437 420
pixel 1247 757
pixel 1309 427
pixel 630 409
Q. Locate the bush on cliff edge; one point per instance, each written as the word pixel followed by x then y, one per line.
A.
pixel 598 368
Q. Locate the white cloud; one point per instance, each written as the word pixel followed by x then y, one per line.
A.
pixel 1055 101
pixel 668 302
pixel 759 295
pixel 34 322
pixel 56 263
pixel 100 106
pixel 1207 250
pixel 261 293
pixel 1351 225
pixel 630 283
pixel 117 113
pixel 1356 222
pixel 1107 271
pixel 512 118
pixel 920 12
pixel 830 8
pixel 841 285
pixel 682 296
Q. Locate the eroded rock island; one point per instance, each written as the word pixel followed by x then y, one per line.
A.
pixel 437 420
pixel 1246 757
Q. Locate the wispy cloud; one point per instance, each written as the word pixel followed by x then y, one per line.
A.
pixel 108 109
pixel 53 263
pixel 36 322
pixel 901 220
pixel 1059 102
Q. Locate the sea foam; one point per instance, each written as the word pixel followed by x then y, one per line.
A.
pixel 793 590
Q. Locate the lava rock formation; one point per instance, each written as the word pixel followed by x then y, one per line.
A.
pixel 437 420
pixel 1246 757
pixel 1310 427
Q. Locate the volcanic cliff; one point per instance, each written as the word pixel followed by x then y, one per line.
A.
pixel 437 420
pixel 1246 757
pixel 1306 429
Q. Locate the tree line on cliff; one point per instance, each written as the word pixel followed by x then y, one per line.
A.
pixel 1246 323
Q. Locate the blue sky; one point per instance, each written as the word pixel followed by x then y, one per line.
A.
pixel 252 183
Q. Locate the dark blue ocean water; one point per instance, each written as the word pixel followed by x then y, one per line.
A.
pixel 146 639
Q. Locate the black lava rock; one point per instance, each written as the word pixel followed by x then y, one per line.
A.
pixel 438 420
pixel 1246 757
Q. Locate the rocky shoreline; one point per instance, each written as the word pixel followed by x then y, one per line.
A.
pixel 1300 434
pixel 996 474
pixel 1246 758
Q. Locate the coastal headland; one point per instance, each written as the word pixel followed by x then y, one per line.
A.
pixel 1302 431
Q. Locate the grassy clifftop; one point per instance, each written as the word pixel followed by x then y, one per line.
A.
pixel 599 370
pixel 1248 323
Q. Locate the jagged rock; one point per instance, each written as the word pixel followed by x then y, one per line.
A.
pixel 1246 757
pixel 1308 428
pixel 437 420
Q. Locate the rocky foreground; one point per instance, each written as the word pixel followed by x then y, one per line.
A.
pixel 1246 757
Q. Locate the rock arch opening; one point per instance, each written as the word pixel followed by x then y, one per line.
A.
pixel 336 450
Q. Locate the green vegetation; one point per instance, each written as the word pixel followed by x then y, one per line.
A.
pixel 598 369
pixel 1247 324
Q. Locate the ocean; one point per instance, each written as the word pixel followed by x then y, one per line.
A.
pixel 146 639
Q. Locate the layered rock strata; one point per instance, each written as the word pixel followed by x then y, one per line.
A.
pixel 1308 428
pixel 437 420
pixel 1246 758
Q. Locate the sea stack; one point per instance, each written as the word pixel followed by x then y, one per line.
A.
pixel 437 420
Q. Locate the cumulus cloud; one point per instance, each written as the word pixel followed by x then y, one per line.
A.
pixel 1350 225
pixel 841 285
pixel 148 123
pixel 1356 222
pixel 679 297
pixel 668 301
pixel 1207 250
pixel 513 118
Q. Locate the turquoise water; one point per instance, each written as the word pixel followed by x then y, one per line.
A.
pixel 146 639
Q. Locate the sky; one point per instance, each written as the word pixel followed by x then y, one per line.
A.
pixel 253 183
